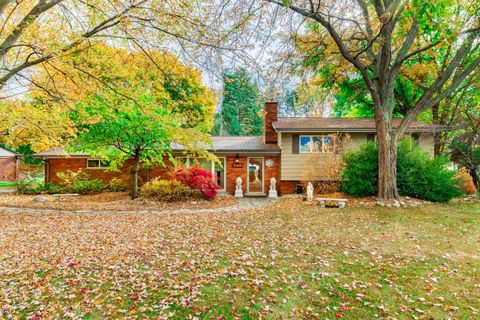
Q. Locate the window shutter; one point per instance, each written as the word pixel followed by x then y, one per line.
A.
pixel 295 144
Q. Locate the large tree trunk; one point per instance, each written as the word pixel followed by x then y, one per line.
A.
pixel 387 159
pixel 134 174
pixel 475 177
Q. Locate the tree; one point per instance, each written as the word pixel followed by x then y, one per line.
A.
pixel 36 32
pixel 465 147
pixel 241 105
pixel 380 44
pixel 139 104
pixel 36 125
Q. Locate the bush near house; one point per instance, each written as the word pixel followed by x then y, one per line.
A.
pixel 70 182
pixel 198 179
pixel 166 190
pixel 418 175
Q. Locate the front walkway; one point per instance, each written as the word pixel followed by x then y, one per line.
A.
pixel 243 203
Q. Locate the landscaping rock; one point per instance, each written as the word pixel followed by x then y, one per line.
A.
pixel 380 203
pixel 40 199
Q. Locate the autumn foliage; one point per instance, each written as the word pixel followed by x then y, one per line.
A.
pixel 198 179
pixel 465 182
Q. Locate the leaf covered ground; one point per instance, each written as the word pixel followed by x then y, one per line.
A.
pixel 288 261
pixel 112 201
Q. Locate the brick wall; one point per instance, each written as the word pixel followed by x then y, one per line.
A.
pixel 8 169
pixel 75 164
pixel 233 173
pixel 271 115
pixel 288 187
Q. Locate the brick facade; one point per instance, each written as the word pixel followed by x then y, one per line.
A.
pixel 271 115
pixel 8 169
pixel 53 166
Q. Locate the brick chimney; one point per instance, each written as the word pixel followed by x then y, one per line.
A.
pixel 271 114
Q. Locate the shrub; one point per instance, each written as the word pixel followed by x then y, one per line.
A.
pixel 117 184
pixel 418 175
pixel 360 175
pixel 52 188
pixel 198 179
pixel 465 182
pixel 167 190
pixel 79 182
pixel 29 186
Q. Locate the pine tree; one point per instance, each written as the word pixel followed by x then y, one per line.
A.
pixel 241 106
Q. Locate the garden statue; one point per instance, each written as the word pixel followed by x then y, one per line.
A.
pixel 310 191
pixel 238 189
pixel 273 191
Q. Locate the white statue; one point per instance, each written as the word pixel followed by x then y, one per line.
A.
pixel 238 188
pixel 310 191
pixel 273 191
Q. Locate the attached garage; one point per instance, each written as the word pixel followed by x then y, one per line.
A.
pixel 8 165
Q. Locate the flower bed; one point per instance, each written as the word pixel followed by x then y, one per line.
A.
pixel 115 201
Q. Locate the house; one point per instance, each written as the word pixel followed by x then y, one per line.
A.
pixel 8 165
pixel 289 149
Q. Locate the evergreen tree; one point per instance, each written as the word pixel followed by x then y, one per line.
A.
pixel 241 106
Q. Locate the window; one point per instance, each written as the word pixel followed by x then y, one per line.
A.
pixel 97 164
pixel 371 137
pixel 317 144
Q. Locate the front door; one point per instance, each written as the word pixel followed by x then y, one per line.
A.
pixel 255 175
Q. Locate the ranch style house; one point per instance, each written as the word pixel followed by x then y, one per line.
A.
pixel 287 151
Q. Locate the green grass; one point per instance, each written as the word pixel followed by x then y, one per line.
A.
pixel 7 185
pixel 291 261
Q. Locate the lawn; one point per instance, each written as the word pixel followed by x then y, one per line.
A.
pixel 288 261
pixel 4 185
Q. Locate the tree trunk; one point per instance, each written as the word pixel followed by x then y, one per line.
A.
pixel 475 178
pixel 134 174
pixel 437 136
pixel 387 162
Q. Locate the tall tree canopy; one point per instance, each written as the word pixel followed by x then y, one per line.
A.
pixel 36 32
pixel 241 105
pixel 385 40
pixel 142 104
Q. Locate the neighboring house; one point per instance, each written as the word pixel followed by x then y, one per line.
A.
pixel 288 150
pixel 8 165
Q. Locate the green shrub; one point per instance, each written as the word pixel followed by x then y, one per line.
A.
pixel 85 187
pixel 418 175
pixel 360 175
pixel 29 186
pixel 79 182
pixel 53 188
pixel 165 190
pixel 117 184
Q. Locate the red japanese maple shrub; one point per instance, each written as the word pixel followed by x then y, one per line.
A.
pixel 198 179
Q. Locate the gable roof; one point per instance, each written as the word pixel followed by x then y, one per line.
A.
pixel 310 124
pixel 5 153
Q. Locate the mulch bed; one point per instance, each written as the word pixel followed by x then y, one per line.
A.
pixel 112 201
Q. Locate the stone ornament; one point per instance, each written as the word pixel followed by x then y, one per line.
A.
pixel 273 191
pixel 238 188
pixel 310 191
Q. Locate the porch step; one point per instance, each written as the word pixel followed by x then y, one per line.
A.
pixel 255 195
